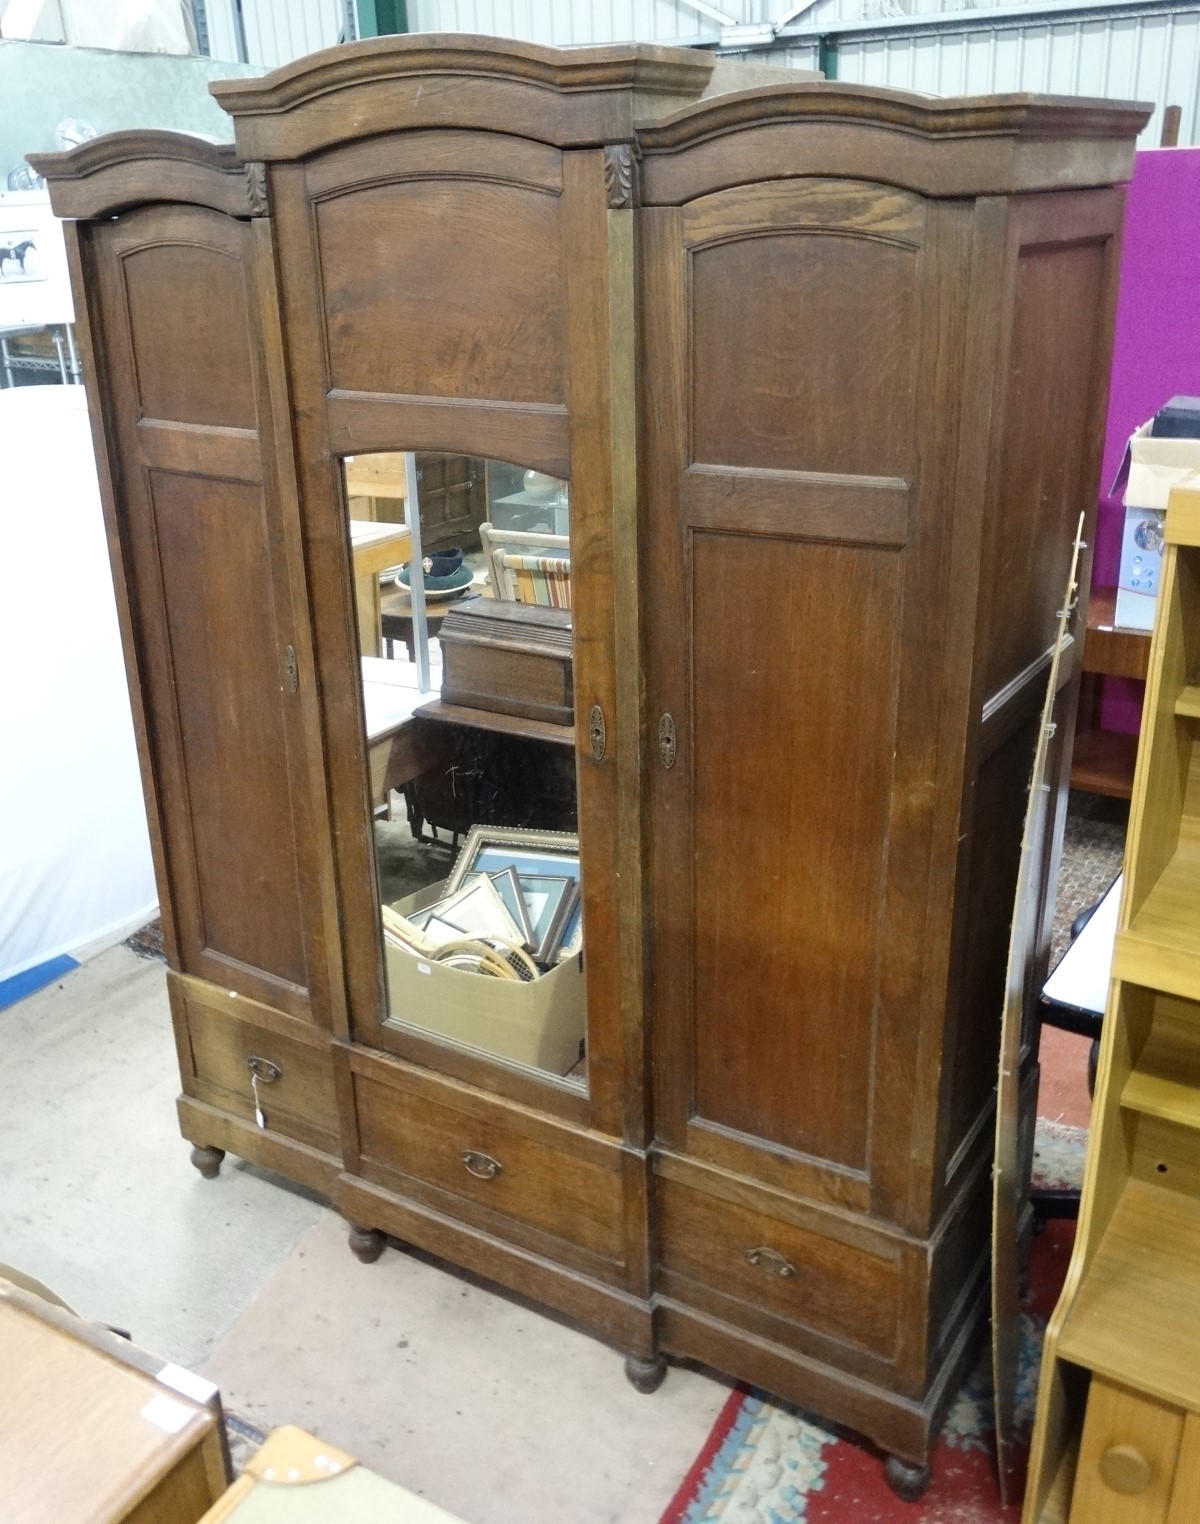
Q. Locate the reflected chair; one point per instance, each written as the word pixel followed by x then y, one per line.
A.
pixel 524 567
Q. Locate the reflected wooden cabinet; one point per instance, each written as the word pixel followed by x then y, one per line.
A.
pixel 826 370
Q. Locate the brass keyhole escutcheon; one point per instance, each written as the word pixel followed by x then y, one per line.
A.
pixel 666 741
pixel 597 732
pixel 292 668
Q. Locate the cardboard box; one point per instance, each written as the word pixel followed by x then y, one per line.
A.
pixel 1150 469
pixel 540 1024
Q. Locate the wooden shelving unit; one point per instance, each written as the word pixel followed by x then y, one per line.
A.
pixel 1118 1428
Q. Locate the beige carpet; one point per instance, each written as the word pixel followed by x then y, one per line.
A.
pixel 493 1410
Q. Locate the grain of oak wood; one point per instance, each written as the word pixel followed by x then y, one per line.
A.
pixel 804 418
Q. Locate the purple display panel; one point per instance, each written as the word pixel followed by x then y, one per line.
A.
pixel 1156 354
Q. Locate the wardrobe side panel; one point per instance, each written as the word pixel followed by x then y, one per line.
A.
pixel 1043 485
pixel 174 295
pixel 1061 269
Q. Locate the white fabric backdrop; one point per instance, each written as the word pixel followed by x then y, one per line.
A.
pixel 74 850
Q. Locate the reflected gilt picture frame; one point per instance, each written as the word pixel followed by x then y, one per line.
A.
pixel 530 854
pixel 526 851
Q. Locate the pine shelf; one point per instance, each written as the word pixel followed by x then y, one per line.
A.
pixel 1161 948
pixel 1121 1366
pixel 1136 1316
pixel 1165 1082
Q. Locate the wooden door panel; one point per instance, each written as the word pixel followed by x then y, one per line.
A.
pixel 233 741
pixel 783 321
pixel 212 606
pixel 189 326
pixel 797 643
pixel 453 500
pixel 791 768
pixel 464 277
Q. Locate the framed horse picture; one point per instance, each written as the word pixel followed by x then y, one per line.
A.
pixel 19 256
pixel 35 291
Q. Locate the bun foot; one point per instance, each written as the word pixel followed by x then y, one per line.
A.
pixel 367 1243
pixel 646 1375
pixel 906 1481
pixel 208 1160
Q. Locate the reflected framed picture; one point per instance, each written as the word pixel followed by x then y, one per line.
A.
pixel 508 887
pixel 551 897
pixel 492 849
pixel 572 937
pixel 474 910
pixel 546 865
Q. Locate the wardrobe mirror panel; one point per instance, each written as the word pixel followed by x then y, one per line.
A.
pixel 471 750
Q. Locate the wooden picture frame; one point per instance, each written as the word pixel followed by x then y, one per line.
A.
pixel 549 920
pixel 508 886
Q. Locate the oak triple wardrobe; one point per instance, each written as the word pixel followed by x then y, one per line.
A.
pixel 822 372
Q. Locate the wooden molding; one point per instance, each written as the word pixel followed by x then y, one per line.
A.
pixel 936 146
pixel 1013 115
pixel 123 169
pixel 583 96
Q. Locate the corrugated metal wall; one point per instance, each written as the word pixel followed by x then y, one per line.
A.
pixel 276 30
pixel 1139 49
pixel 576 21
pixel 1143 56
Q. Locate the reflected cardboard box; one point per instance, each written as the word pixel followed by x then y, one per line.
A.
pixel 539 1024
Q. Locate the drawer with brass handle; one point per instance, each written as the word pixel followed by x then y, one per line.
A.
pixel 482 1166
pixel 244 1060
pixel 517 1169
pixel 751 1257
pixel 772 1260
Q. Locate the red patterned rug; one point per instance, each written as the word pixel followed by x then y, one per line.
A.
pixel 767 1463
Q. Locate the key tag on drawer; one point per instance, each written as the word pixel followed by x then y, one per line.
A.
pixel 260 1115
pixel 264 1071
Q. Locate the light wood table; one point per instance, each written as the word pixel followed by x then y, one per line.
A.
pixel 94 1431
pixel 399 748
pixel 375 547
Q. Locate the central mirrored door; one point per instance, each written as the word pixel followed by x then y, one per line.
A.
pixel 464 610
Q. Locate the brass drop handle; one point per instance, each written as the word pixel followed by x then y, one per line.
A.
pixel 482 1166
pixel 770 1260
pixel 263 1070
pixel 1126 1469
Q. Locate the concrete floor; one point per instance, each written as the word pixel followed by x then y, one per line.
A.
pixel 97 1197
pixel 470 1398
